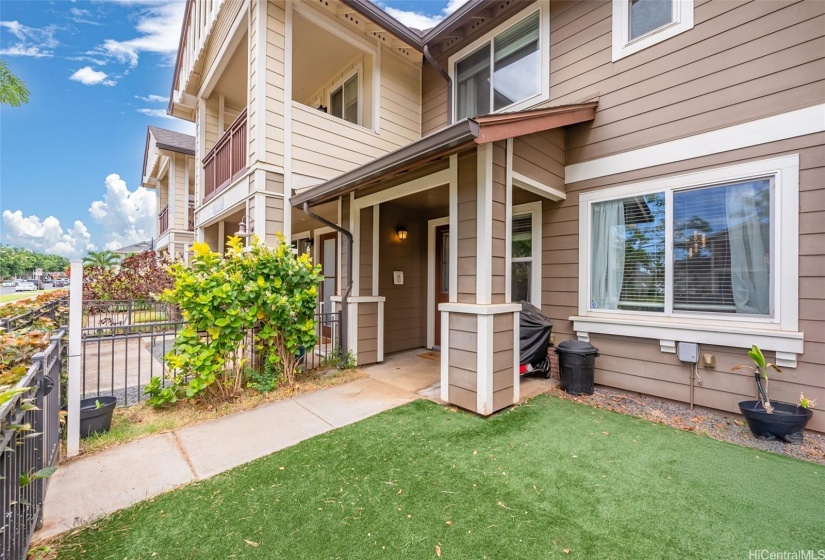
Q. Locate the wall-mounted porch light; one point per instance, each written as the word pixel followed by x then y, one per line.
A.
pixel 246 228
pixel 402 233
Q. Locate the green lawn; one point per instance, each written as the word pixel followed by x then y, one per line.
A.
pixel 550 479
pixel 6 298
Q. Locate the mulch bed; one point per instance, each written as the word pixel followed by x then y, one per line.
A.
pixel 716 424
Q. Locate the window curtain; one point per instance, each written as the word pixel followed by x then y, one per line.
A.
pixel 608 253
pixel 473 84
pixel 749 272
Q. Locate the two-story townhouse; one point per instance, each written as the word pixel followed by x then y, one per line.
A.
pixel 169 169
pixel 648 172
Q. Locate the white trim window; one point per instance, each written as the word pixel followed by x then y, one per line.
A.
pixel 700 250
pixel 345 99
pixel 639 24
pixel 506 69
pixel 525 255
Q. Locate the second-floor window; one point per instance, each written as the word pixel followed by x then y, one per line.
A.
pixel 639 24
pixel 504 71
pixel 344 102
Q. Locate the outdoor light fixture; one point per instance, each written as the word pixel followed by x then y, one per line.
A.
pixel 402 233
pixel 246 228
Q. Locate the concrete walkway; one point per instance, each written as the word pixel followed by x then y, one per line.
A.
pixel 93 486
pixel 99 484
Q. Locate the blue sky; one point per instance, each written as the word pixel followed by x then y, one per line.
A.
pixel 98 72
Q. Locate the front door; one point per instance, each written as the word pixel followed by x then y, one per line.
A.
pixel 442 275
pixel 329 285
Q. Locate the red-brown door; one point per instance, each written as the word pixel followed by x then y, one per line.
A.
pixel 442 275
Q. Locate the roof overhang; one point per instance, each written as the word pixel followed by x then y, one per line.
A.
pixel 447 141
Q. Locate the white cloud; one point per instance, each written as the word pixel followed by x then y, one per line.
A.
pixel 126 216
pixel 79 15
pixel 158 113
pixel 46 236
pixel 152 98
pixel 89 77
pixel 420 20
pixel 158 27
pixel 31 41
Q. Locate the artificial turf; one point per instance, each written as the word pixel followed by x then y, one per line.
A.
pixel 549 479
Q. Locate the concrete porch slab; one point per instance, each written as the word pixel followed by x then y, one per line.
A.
pixel 110 480
pixel 219 445
pixel 354 401
pixel 407 371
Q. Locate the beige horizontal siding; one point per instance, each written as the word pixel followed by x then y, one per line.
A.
pixel 467 227
pixel 405 308
pixel 367 333
pixel 541 156
pixel 274 219
pixel 740 62
pixel 639 365
pixel 365 252
pixel 463 360
pixel 325 147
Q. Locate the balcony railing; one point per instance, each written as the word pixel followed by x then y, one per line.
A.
pixel 163 220
pixel 227 160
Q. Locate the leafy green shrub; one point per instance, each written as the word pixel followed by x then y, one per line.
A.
pixel 264 381
pixel 252 295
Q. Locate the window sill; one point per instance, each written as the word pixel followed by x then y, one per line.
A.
pixel 787 344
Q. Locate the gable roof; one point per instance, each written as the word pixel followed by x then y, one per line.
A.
pixel 449 140
pixel 173 141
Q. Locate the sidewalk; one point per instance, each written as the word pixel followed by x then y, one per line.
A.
pixel 91 487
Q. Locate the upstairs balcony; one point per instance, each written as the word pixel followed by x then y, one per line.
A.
pixel 163 220
pixel 226 161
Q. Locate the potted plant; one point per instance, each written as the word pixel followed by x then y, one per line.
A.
pixel 772 420
pixel 96 415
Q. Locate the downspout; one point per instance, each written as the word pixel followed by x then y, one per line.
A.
pixel 345 296
pixel 434 63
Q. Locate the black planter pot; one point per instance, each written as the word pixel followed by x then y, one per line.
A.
pixel 787 422
pixel 96 419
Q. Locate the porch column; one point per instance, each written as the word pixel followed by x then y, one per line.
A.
pixel 479 337
pixel 366 307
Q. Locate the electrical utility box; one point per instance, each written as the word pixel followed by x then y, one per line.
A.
pixel 688 352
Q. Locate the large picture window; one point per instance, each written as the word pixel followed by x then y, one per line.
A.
pixel 503 71
pixel 695 250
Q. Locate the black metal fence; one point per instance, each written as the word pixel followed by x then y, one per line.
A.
pixel 30 442
pixel 49 310
pixel 122 351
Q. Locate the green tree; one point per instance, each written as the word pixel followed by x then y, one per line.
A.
pixel 102 259
pixel 12 89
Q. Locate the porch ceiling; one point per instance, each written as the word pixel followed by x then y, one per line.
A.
pixel 449 140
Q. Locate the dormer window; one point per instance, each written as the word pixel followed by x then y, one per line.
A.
pixel 343 100
pixel 504 70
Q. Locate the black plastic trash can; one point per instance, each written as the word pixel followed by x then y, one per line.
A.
pixel 577 364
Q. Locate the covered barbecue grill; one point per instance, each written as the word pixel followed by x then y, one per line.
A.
pixel 534 339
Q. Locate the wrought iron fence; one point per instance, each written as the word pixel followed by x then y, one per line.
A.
pixel 49 310
pixel 110 315
pixel 25 452
pixel 120 355
pixel 328 346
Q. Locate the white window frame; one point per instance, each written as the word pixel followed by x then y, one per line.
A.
pixel 778 333
pixel 339 84
pixel 622 44
pixel 541 6
pixel 534 209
